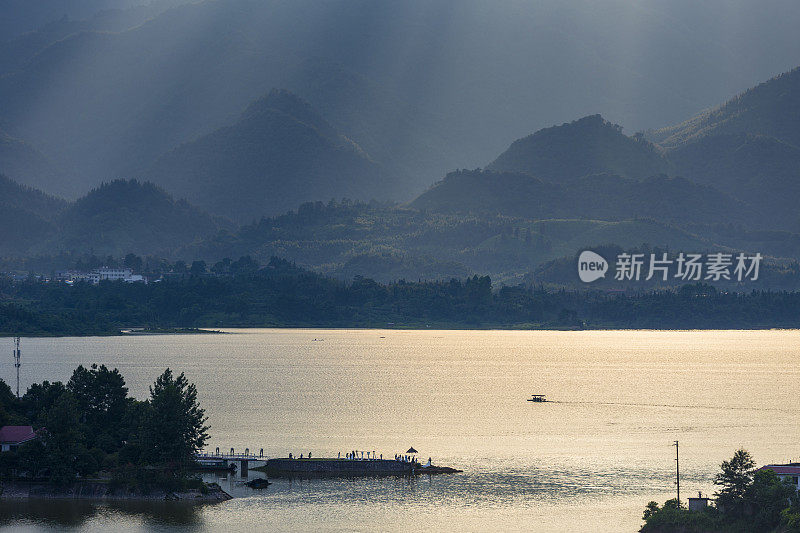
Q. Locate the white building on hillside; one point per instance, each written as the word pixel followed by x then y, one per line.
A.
pixel 112 274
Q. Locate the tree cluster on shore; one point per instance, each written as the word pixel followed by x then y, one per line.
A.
pixel 284 295
pixel 748 501
pixel 90 428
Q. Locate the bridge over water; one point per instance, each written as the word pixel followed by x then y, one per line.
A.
pixel 223 461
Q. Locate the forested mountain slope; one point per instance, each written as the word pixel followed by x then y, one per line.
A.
pixel 280 153
pixel 590 145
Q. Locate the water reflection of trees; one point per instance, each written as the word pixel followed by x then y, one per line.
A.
pixel 161 513
pixel 46 512
pixel 75 513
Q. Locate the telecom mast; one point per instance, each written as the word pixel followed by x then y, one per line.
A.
pixel 17 355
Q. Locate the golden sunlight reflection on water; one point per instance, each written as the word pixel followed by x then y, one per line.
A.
pixel 587 461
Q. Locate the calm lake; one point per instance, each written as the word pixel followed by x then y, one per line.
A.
pixel 588 461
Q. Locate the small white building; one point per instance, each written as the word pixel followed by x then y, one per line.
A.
pixel 100 274
pixel 789 471
pixel 71 276
pixel 113 274
pixel 698 504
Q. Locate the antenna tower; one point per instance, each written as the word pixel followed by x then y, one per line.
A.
pixel 17 355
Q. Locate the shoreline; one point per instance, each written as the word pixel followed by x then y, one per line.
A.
pixel 169 331
pixel 101 491
pixel 207 331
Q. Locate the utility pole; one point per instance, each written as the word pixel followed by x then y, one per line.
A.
pixel 678 472
pixel 17 355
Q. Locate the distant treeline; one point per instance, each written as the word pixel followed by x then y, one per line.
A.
pixel 283 295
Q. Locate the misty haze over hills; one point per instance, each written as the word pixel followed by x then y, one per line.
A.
pixel 279 153
pixel 228 111
pixel 436 84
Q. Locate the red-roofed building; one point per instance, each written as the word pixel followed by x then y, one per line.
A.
pixel 790 471
pixel 11 437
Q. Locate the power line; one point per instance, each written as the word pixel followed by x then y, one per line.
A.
pixel 678 472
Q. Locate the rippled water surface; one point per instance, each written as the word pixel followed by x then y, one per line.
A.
pixel 588 461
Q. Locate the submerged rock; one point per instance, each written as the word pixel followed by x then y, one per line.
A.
pixel 437 470
pixel 258 483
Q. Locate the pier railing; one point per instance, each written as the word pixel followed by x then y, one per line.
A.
pixel 231 456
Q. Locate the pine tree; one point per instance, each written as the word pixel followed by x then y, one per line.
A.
pixel 175 427
pixel 735 477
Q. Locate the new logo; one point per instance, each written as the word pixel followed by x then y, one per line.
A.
pixel 591 266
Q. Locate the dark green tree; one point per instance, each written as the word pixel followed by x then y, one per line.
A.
pixel 63 440
pixel 134 262
pixel 766 497
pixel 244 265
pixel 198 268
pixel 102 400
pixel 176 424
pixel 221 267
pixel 40 398
pixel 753 501
pixel 734 478
pixel 650 510
pixel 7 403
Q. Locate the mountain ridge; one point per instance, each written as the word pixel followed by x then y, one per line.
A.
pixel 589 145
pixel 771 108
pixel 597 197
pixel 270 161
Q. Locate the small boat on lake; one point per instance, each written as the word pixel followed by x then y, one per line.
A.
pixel 538 398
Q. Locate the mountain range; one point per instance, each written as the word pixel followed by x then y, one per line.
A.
pixel 26 216
pixel 423 86
pixel 114 219
pixel 563 188
pixel 168 116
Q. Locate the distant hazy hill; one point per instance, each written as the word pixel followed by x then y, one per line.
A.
pixel 748 147
pixel 26 216
pixel 108 99
pixel 279 154
pixel 590 145
pixel 599 197
pixel 21 16
pixel 109 104
pixel 762 171
pixel 25 164
pixel 385 242
pixel 48 24
pixel 770 109
pixel 128 216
